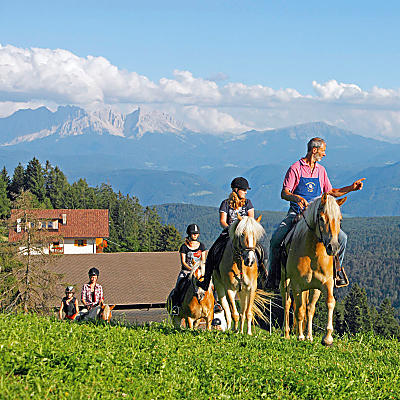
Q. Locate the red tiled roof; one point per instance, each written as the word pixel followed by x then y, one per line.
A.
pixel 127 278
pixel 80 223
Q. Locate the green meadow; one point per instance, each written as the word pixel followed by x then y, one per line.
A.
pixel 42 358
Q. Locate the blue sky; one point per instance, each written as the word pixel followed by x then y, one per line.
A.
pixel 275 44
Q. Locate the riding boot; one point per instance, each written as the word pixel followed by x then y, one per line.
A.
pixel 341 279
pixel 205 283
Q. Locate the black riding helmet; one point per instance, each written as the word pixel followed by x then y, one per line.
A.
pixel 192 229
pixel 93 271
pixel 240 183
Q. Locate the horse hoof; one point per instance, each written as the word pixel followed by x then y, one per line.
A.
pixel 327 343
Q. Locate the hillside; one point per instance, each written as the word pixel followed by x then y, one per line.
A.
pixel 43 358
pixel 372 257
pixel 153 157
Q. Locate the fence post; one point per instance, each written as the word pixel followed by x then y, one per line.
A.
pixel 270 316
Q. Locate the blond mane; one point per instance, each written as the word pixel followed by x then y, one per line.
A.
pixel 246 225
pixel 331 209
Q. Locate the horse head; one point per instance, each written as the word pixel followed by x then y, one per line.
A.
pixel 327 222
pixel 245 232
pixel 105 311
pixel 194 276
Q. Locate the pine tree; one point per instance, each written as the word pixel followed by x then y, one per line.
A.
pixel 386 324
pixel 17 182
pixel 170 239
pixel 4 200
pixel 357 316
pixel 35 179
pixel 7 180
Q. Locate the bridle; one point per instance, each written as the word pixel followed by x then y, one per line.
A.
pixel 320 238
pixel 238 256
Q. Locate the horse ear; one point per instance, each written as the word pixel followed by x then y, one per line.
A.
pixel 323 198
pixel 341 201
pixel 239 217
pixel 259 218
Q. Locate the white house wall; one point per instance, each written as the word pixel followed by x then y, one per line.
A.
pixel 70 248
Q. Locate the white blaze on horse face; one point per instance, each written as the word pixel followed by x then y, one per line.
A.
pixel 251 256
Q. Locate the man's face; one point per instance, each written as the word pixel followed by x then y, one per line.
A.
pixel 319 152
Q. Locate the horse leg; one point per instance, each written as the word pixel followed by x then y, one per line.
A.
pixel 287 301
pixel 327 340
pixel 314 294
pixel 190 322
pixel 249 309
pixel 235 313
pixel 299 313
pixel 176 321
pixel 244 304
pixel 225 306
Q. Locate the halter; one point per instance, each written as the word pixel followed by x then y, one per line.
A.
pixel 238 254
pixel 319 225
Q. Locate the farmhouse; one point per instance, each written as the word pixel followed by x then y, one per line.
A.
pixel 69 231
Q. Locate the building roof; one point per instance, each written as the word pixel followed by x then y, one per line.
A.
pixel 89 223
pixel 127 278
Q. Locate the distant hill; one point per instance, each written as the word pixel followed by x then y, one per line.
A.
pixel 151 155
pixel 372 258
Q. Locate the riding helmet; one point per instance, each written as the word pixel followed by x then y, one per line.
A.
pixel 69 289
pixel 240 183
pixel 192 229
pixel 93 271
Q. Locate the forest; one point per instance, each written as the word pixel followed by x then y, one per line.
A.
pixel 132 226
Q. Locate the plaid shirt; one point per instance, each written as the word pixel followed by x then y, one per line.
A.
pixel 86 295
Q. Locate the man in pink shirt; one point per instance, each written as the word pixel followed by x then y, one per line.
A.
pixel 306 180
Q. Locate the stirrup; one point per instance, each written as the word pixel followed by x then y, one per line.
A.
pixel 217 308
pixel 175 310
pixel 341 282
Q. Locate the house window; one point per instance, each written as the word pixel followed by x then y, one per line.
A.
pixel 50 225
pixel 80 242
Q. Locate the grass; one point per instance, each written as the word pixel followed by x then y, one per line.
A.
pixel 42 358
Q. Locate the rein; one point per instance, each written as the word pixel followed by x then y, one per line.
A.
pixel 238 253
pixel 319 225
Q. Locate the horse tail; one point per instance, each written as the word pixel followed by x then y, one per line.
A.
pixel 259 309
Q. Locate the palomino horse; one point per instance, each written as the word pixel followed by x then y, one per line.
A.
pixel 237 272
pixel 101 312
pixel 197 303
pixel 309 266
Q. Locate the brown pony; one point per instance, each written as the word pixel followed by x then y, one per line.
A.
pixel 309 266
pixel 237 272
pixel 197 303
pixel 101 312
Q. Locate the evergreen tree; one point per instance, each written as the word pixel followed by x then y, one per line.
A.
pixel 7 180
pixel 170 239
pixel 17 182
pixel 4 200
pixel 357 316
pixel 386 324
pixel 35 179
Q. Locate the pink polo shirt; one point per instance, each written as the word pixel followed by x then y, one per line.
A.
pixel 301 168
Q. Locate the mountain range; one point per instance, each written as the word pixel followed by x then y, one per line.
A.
pixel 156 158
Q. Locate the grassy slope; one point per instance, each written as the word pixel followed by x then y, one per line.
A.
pixel 43 358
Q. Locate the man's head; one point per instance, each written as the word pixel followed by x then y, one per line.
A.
pixel 316 148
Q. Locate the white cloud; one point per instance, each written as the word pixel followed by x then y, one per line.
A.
pixel 211 120
pixel 36 76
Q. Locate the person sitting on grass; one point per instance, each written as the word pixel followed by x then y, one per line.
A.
pixel 69 304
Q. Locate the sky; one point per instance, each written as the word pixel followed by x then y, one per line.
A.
pixel 217 66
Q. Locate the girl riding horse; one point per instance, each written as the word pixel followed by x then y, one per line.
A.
pixel 235 205
pixel 191 253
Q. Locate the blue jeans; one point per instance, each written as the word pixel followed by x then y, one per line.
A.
pixel 281 232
